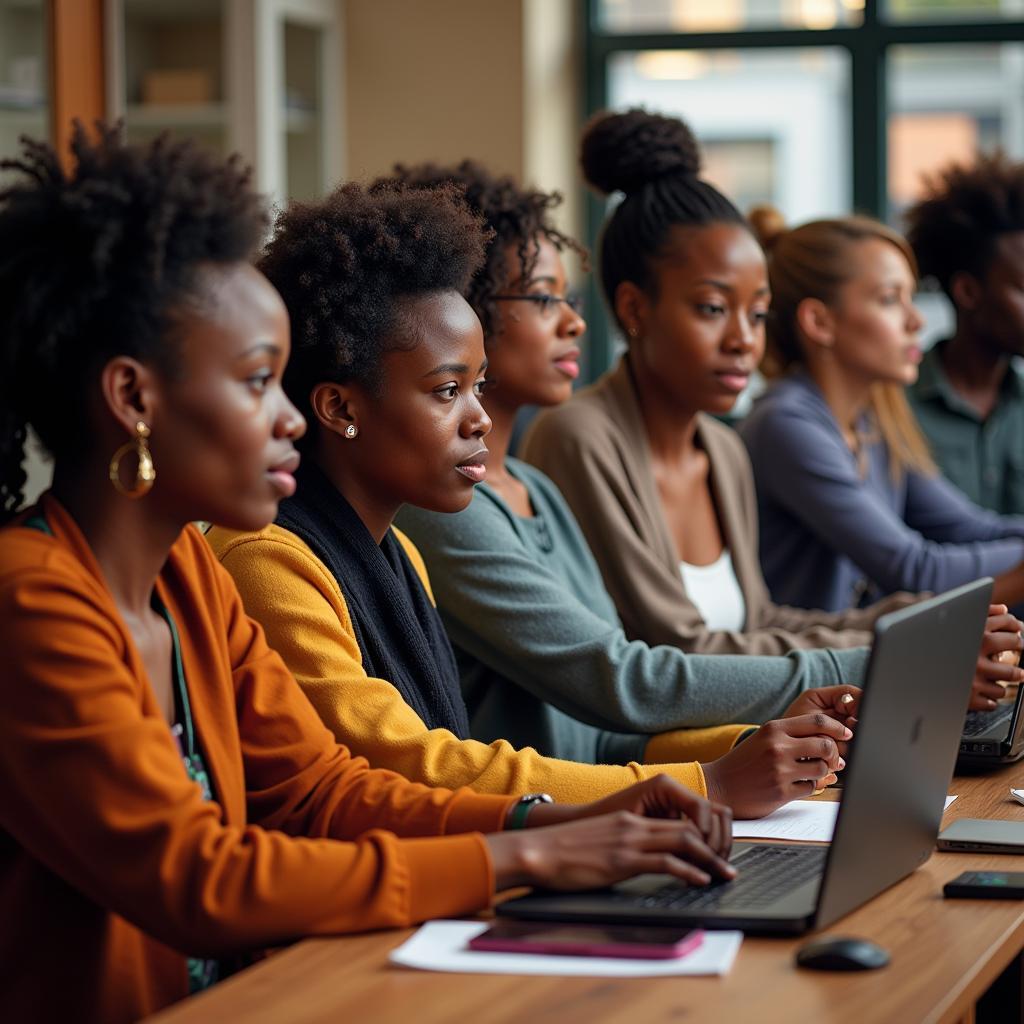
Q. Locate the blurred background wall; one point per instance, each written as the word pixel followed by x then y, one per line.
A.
pixel 444 79
pixel 818 106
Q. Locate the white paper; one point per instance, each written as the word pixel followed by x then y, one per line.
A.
pixel 808 820
pixel 441 946
pixel 804 820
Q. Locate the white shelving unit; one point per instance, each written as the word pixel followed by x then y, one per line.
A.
pixel 258 77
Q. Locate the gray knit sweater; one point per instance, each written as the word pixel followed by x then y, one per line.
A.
pixel 543 658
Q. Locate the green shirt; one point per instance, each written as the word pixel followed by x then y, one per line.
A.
pixel 984 457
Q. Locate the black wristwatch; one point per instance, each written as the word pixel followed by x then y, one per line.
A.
pixel 520 810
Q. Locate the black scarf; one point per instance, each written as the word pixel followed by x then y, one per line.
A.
pixel 399 632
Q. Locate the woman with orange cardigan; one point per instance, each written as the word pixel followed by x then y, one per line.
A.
pixel 169 799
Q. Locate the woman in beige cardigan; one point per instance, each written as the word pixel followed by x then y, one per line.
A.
pixel 663 491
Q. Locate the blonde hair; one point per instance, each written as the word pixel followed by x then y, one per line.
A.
pixel 813 261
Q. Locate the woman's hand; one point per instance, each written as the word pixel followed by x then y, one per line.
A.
pixel 660 797
pixel 655 826
pixel 782 761
pixel 998 660
pixel 839 702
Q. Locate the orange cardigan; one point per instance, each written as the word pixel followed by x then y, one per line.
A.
pixel 112 866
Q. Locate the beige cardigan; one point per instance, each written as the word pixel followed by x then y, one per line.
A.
pixel 595 448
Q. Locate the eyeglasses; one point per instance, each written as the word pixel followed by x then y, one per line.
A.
pixel 546 304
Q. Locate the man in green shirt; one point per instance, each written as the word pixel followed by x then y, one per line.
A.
pixel 968 233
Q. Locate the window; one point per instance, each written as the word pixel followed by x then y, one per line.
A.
pixel 724 15
pixel 771 122
pixel 819 106
pixel 946 103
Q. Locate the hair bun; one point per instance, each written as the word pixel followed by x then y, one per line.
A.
pixel 767 223
pixel 623 152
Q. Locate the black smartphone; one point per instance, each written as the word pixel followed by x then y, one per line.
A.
pixel 640 941
pixel 986 885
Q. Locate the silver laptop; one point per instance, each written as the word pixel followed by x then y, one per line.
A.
pixel 906 742
pixel 992 738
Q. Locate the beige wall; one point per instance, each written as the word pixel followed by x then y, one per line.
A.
pixel 433 79
pixel 497 80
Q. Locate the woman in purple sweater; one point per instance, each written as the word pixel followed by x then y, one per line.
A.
pixel 851 506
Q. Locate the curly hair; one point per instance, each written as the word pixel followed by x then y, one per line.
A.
pixel 964 211
pixel 97 262
pixel 345 264
pixel 517 216
pixel 654 161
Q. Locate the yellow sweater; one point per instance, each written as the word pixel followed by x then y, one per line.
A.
pixel 298 602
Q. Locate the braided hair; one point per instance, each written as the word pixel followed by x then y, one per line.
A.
pixel 655 162
pixel 96 262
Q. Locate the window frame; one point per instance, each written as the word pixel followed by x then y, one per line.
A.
pixel 867 45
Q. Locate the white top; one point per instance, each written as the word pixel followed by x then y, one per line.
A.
pixel 716 592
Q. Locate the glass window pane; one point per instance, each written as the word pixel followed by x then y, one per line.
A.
pixel 23 75
pixel 174 70
pixel 725 15
pixel 773 124
pixel 304 143
pixel 945 104
pixel 952 10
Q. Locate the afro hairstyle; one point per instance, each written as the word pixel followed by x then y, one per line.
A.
pixel 345 265
pixel 957 224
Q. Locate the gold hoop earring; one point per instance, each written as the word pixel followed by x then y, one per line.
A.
pixel 145 472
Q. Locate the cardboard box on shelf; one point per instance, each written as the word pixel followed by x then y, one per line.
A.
pixel 191 86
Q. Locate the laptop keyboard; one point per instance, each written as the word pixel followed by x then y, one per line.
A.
pixel 767 874
pixel 978 722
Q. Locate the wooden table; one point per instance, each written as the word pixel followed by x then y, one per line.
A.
pixel 945 954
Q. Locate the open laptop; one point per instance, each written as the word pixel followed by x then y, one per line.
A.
pixel 992 738
pixel 907 736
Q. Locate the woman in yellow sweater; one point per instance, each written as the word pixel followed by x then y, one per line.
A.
pixel 388 366
pixel 169 799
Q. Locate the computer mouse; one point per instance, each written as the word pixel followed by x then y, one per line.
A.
pixel 838 953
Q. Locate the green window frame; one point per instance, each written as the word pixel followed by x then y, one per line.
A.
pixel 867 45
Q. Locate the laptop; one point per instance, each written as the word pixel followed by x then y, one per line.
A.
pixel 903 752
pixel 992 738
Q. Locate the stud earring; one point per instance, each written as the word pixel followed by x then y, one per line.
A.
pixel 145 472
pixel 351 431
